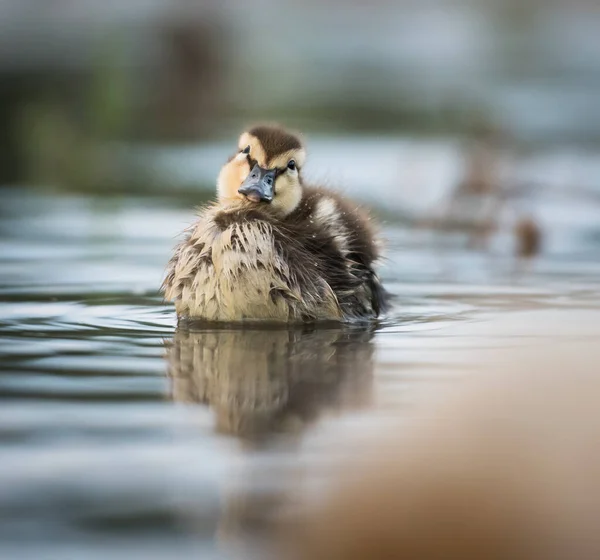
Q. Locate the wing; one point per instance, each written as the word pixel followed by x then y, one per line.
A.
pixel 337 231
pixel 318 265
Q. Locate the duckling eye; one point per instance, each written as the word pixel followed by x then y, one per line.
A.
pixel 291 165
pixel 246 150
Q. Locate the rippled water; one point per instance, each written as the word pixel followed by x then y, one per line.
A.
pixel 121 435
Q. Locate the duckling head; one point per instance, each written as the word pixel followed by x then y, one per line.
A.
pixel 265 172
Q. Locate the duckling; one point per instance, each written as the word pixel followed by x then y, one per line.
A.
pixel 273 248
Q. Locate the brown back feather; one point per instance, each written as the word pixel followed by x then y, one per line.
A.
pixel 320 254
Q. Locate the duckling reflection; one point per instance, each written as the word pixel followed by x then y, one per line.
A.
pixel 262 381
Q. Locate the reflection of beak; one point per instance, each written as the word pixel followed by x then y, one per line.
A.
pixel 258 186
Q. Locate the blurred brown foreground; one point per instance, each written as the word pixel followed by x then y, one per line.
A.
pixel 508 469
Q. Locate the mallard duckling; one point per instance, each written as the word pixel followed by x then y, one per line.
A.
pixel 273 248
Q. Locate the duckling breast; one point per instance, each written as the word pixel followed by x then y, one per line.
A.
pixel 231 267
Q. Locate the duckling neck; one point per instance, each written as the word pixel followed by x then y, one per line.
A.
pixel 261 210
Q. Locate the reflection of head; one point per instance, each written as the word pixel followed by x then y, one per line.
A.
pixel 266 380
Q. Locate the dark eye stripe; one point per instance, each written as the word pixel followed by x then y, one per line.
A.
pixel 282 170
pixel 278 170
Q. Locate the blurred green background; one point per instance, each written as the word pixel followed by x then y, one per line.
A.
pixel 82 82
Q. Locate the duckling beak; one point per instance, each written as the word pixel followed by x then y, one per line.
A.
pixel 258 186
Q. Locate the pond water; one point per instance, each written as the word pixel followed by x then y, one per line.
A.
pixel 123 436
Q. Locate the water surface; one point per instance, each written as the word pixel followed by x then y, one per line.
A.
pixel 123 435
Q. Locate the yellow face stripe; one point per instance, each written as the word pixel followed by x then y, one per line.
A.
pixel 256 150
pixel 281 160
pixel 258 153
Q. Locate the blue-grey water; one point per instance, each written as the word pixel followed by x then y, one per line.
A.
pixel 124 437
